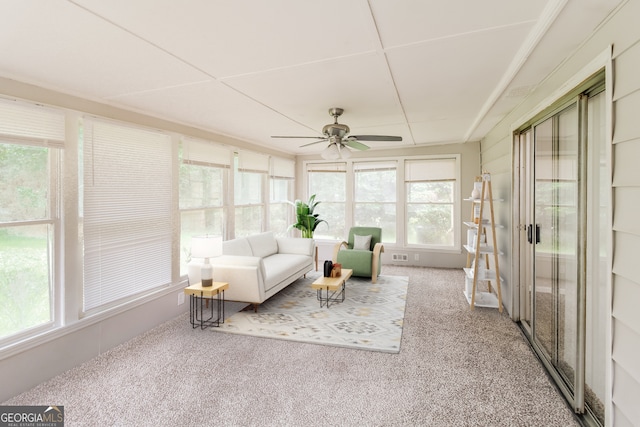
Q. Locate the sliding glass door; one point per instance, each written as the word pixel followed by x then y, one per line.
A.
pixel 563 210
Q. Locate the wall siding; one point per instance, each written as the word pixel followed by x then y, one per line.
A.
pixel 622 33
pixel 626 234
pixel 625 159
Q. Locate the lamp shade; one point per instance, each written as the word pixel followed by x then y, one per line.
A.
pixel 206 246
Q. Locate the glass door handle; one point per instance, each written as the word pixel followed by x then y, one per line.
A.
pixel 530 233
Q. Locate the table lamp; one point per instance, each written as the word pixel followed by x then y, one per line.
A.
pixel 206 247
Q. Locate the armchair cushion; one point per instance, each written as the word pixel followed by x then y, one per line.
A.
pixel 374 232
pixel 359 261
pixel 362 243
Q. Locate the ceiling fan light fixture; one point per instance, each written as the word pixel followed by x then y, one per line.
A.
pixel 345 153
pixel 331 152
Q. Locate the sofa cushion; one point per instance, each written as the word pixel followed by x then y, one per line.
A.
pixel 263 244
pixel 238 247
pixel 280 267
pixel 296 245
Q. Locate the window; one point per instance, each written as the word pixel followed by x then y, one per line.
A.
pixel 249 193
pixel 281 180
pixel 204 178
pixel 31 139
pixel 374 203
pixel 328 182
pixel 126 212
pixel 431 187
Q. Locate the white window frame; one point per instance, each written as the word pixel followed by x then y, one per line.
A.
pixel 329 167
pixel 28 124
pixel 371 166
pixel 211 155
pixel 455 247
pixel 251 162
pixel 281 169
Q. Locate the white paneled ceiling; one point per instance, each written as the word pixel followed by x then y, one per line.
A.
pixel 431 72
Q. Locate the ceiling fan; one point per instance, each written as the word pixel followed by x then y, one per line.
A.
pixel 337 135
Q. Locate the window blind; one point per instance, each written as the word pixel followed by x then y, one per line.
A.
pixel 203 153
pixel 442 169
pixel 326 167
pixel 126 211
pixel 29 124
pixel 282 168
pixel 252 162
pixel 374 166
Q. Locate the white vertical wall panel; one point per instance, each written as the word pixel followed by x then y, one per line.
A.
pixel 625 309
pixel 626 238
pixel 626 159
pixel 626 349
pixel 625 395
pixel 620 419
pixel 626 117
pixel 626 207
pixel 626 73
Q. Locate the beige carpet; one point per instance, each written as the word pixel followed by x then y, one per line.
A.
pixel 456 367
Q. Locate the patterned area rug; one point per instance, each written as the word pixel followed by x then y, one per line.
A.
pixel 370 318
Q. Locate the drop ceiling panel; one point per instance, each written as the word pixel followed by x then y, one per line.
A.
pixel 453 77
pixel 359 84
pixel 56 44
pixel 443 131
pixel 428 20
pixel 227 38
pixel 212 106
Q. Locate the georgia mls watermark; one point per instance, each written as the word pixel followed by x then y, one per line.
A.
pixel 31 416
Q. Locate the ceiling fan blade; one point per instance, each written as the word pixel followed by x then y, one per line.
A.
pixel 376 138
pixel 314 142
pixel 355 144
pixel 297 137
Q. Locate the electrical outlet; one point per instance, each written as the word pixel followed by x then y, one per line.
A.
pixel 181 298
pixel 416 257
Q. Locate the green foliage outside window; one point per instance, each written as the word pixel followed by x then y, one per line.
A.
pixel 430 213
pixel 24 249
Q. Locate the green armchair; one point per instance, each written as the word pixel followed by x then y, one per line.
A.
pixel 364 259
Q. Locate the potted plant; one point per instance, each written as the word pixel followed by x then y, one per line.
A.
pixel 306 220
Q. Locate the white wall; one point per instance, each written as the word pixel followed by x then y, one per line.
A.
pixel 623 33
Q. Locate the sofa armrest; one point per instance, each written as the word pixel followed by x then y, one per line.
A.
pixel 245 275
pixel 295 245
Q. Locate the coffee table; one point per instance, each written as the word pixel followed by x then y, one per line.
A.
pixel 334 284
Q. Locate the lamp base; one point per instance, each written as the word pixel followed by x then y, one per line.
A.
pixel 207 282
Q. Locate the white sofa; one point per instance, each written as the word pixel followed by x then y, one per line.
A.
pixel 259 266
